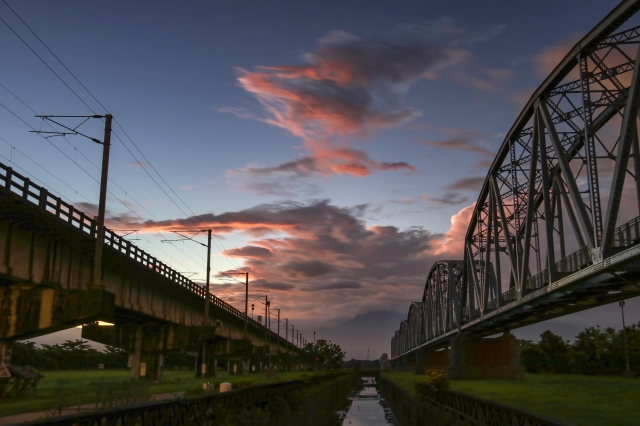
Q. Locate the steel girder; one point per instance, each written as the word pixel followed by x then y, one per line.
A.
pixel 539 216
pixel 540 243
pixel 441 298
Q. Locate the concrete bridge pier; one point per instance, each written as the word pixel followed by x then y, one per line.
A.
pixel 147 357
pixel 420 360
pixel 207 359
pixel 488 358
pixel 5 355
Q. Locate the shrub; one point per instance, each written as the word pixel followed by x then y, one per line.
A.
pixel 438 378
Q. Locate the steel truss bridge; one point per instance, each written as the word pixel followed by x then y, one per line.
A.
pixel 556 228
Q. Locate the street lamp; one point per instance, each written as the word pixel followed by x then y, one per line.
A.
pixel 624 335
pixel 252 306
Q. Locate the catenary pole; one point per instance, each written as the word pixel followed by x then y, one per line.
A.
pixel 96 281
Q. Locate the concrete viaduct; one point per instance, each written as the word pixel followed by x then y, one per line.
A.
pixel 46 257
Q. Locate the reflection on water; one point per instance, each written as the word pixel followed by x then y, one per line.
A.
pixel 365 407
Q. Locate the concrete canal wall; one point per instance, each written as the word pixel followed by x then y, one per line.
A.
pixel 291 403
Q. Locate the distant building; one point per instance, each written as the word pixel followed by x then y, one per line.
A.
pixel 384 361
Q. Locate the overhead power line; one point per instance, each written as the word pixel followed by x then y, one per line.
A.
pixel 217 241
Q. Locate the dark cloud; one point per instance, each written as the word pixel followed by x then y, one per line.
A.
pixel 249 252
pixel 349 88
pixel 351 84
pixel 459 139
pixel 340 285
pixel 296 248
pixel 89 208
pixel 309 268
pixel 467 184
pixel 447 199
pixel 273 285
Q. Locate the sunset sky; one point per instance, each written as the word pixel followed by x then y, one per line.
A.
pixel 335 148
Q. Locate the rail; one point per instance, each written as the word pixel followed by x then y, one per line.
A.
pixel 209 409
pixel 480 411
pixel 22 187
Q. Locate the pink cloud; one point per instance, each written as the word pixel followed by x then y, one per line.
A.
pixel 549 58
pixel 349 266
pixel 349 88
pixel 452 246
pixel 352 85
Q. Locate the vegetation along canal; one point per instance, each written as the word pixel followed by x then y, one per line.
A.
pixel 365 406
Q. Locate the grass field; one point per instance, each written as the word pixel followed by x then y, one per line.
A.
pixel 78 386
pixel 577 399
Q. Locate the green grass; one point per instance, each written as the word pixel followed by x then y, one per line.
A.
pixel 577 399
pixel 74 383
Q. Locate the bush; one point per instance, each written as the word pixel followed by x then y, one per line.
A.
pixel 438 378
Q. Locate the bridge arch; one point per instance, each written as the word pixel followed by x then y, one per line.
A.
pixel 552 201
pixel 556 227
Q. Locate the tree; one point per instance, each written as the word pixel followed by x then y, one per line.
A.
pixel 323 355
pixel 555 352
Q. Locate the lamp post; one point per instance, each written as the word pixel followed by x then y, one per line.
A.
pixel 624 335
pixel 252 305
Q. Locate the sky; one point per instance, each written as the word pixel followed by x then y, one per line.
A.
pixel 334 148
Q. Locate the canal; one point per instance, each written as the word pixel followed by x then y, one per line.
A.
pixel 365 407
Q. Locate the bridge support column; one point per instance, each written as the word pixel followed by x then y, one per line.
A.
pixel 477 358
pixel 146 360
pixel 136 359
pixel 206 360
pixel 419 367
pixel 5 360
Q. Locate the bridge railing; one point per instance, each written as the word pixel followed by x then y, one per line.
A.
pixel 22 187
pixel 628 234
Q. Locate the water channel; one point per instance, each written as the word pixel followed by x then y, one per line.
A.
pixel 365 407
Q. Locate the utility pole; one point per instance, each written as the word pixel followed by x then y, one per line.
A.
pixel 266 301
pixel 246 297
pixel 96 276
pixel 314 337
pixel 268 323
pixel 96 282
pixel 205 319
pixel 206 295
pixel 286 329
pixel 278 323
pixel 246 304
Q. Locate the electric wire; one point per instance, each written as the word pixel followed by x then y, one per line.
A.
pixel 110 192
pixel 45 63
pixel 92 95
pixel 217 241
pixel 55 56
pixel 221 246
pixel 97 168
pixel 60 78
pixel 43 168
